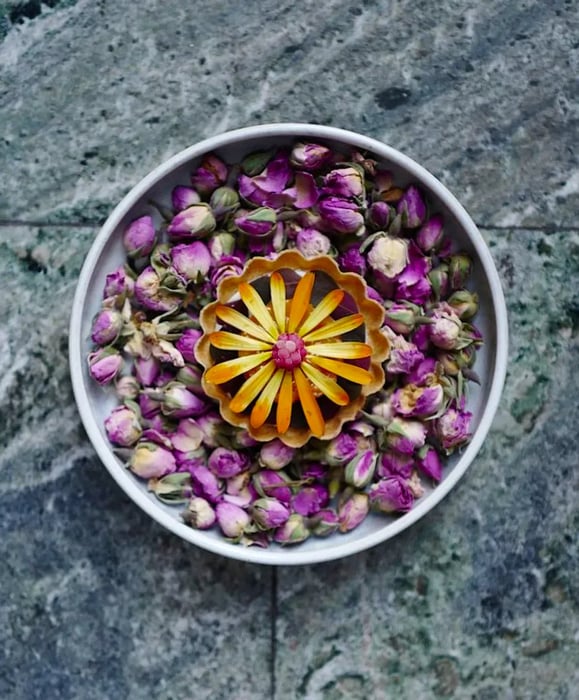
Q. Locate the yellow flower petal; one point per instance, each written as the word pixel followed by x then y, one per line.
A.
pixel 242 323
pixel 263 405
pixel 342 369
pixel 309 404
pixel 230 341
pixel 256 306
pixel 343 351
pixel 225 371
pixel 285 404
pixel 327 386
pixel 335 328
pixel 277 288
pixel 328 304
pixel 251 388
pixel 300 301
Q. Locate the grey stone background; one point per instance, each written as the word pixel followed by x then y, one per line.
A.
pixel 480 599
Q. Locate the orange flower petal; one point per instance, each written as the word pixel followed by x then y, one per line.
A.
pixel 343 351
pixel 263 405
pixel 300 301
pixel 251 388
pixel 285 404
pixel 256 305
pixel 335 328
pixel 327 386
pixel 242 323
pixel 224 371
pixel 328 304
pixel 230 341
pixel 278 305
pixel 309 404
pixel 342 369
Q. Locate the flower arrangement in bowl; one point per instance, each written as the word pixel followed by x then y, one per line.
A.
pixel 288 343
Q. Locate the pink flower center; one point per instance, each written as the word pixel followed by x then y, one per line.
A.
pixel 289 351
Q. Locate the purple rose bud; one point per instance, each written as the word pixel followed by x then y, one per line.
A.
pixel 421 338
pixel 464 303
pixel 275 454
pixel 353 511
pixel 389 256
pixel 180 403
pixel 378 216
pixel 418 401
pixel 405 435
pixel 151 461
pixel 459 269
pixel 106 326
pixel 269 513
pixel 227 266
pixel 310 499
pixel 127 388
pixel 211 174
pixel 211 424
pixel 352 261
pixel 199 514
pixel 311 243
pixel 242 438
pixel 293 531
pixel 227 463
pixel 184 197
pixel 340 450
pixel 452 428
pixel 395 464
pixel 224 201
pixel 259 222
pixel 123 427
pixel 423 374
pixel 344 182
pixel 149 294
pixel 104 365
pixel 147 370
pixel 197 221
pixel 187 342
pixel 404 356
pixel 231 519
pixel 401 317
pixel 191 260
pixel 221 244
pixel 188 437
pixel 360 469
pixel 438 278
pixel 272 483
pixel 412 208
pixel 430 235
pixel 139 238
pixel 325 523
pixel 445 329
pixel 117 283
pixel 205 483
pixel 340 216
pixel 428 461
pixel 391 495
pixel 310 156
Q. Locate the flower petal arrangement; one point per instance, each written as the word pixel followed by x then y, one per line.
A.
pixel 291 345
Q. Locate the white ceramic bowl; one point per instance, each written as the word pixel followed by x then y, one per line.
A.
pixel 106 253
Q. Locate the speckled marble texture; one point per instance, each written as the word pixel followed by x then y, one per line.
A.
pixel 480 600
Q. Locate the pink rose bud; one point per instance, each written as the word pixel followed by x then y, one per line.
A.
pixel 106 326
pixel 438 278
pixel 340 450
pixel 187 342
pixel 324 523
pixel 310 156
pixel 243 499
pixel 391 495
pixel 212 425
pixel 224 201
pixel 293 531
pixel 312 243
pixel 149 294
pixel 231 519
pixel 352 261
pixel 404 356
pixel 459 269
pixel 140 237
pixel 275 454
pixel 191 260
pixel 353 511
pixel 360 470
pixel 123 426
pixel 418 401
pixel 429 236
pixel 178 402
pixel 445 328
pixel 269 513
pixel 405 435
pixel 127 388
pixel 237 485
pixel 226 463
pixel 310 499
pixel 227 266
pixel 184 197
pixel 429 463
pixel 197 221
pixel 340 216
pixel 401 316
pixel 395 463
pixel 411 207
pixel 259 222
pixel 147 370
pixel 424 374
pixel 211 174
pixel 464 303
pixel 242 438
pixel 221 244
pixel 378 216
pixel 199 514
pixel 271 483
pixel 188 437
pixel 344 182
pixel 205 483
pixel 104 365
pixel 452 428
pixel 151 461
pixel 117 283
pixel 389 255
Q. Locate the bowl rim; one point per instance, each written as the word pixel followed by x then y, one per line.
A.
pixel 290 556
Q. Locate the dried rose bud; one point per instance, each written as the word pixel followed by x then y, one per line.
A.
pixel 378 216
pixel 187 342
pixel 344 182
pixel 172 489
pixel 324 523
pixel 237 485
pixel 191 260
pixel 353 511
pixel 197 221
pixel 424 374
pixel 106 326
pixel 243 499
pixel 150 460
pixel 149 294
pixel 395 463
pixel 275 454
pixel 401 316
pixel 259 222
pixel 418 401
pixel 104 365
pixel 272 483
pixel 149 406
pixel 118 282
pixel 430 235
pixel 179 402
pixel 227 463
pixel 391 495
pixel 231 519
pixel 293 531
pixel 184 197
pixel 269 513
pixel 140 237
pixel 384 410
pixel 227 266
pixel 224 201
pixel 464 303
pixel 199 514
pixel 312 243
pixel 310 499
pixel 242 438
pixel 221 244
pixel 205 483
pixel 428 461
pixel 459 269
pixel 340 450
pixel 188 437
pixel 389 256
pixel 340 216
pixel 404 355
pixel 438 278
pixel 310 156
pixel 405 435
pixel 212 425
pixel 445 328
pixel 353 261
pixel 411 207
pixel 211 174
pixel 190 376
pixel 147 370
pixel 452 428
pixel 123 426
pixel 360 469
pixel 127 388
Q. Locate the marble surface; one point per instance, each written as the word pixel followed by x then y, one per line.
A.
pixel 480 599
